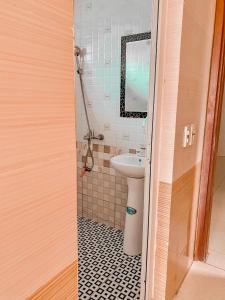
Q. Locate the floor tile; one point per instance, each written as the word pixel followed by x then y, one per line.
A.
pixel 203 282
pixel 105 272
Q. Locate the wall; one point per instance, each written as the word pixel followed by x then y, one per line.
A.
pixel 186 32
pixel 195 56
pixel 37 165
pixel 216 249
pixel 221 146
pixel 220 162
pixel 170 28
pixel 98 28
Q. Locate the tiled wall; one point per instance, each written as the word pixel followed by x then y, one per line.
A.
pixel 102 193
pixel 99 25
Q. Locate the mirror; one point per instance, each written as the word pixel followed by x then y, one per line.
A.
pixel 135 75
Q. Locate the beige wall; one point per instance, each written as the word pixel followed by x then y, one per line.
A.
pixel 186 31
pixel 169 63
pixel 195 54
pixel 37 145
pixel 185 79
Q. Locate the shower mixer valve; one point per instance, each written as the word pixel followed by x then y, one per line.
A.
pixel 91 136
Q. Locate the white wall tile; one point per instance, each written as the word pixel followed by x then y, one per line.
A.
pixel 99 25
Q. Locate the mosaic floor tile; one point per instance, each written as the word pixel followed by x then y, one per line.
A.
pixel 105 272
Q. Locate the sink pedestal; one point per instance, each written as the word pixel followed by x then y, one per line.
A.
pixel 134 217
pixel 133 167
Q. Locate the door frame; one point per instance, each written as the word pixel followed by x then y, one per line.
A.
pixel 212 128
pixel 152 107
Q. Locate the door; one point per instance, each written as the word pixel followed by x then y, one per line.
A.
pixel 213 117
pixel 37 151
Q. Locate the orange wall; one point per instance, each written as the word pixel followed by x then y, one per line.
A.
pixel 37 144
pixel 186 32
pixel 195 56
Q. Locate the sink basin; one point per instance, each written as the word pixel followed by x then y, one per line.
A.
pixel 129 165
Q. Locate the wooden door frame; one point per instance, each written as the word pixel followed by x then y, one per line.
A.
pixel 212 127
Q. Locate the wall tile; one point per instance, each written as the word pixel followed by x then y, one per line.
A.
pixel 102 197
pixel 98 29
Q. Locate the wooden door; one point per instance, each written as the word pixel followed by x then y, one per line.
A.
pixel 213 117
pixel 37 150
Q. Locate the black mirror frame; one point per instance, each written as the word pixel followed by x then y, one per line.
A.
pixel 124 40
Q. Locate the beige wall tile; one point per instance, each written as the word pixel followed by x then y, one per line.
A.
pixel 98 189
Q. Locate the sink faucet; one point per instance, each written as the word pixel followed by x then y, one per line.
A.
pixel 141 152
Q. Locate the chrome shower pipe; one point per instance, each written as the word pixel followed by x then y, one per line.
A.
pixel 90 135
pixel 78 56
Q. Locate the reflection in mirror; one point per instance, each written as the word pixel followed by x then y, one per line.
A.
pixel 135 68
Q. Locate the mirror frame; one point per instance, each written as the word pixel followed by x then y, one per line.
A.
pixel 124 40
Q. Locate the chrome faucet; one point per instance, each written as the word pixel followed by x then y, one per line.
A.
pixel 91 136
pixel 141 152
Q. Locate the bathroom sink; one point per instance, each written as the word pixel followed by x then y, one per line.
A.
pixel 129 165
pixel 133 167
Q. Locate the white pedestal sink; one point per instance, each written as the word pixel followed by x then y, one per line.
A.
pixel 133 167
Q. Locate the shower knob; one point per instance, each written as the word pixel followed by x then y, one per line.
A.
pixel 101 137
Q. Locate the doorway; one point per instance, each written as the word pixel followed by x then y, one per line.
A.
pixel 212 162
pixel 216 248
pixel 106 127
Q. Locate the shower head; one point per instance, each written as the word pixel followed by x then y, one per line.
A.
pixel 77 51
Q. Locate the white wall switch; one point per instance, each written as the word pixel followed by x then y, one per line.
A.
pixel 192 134
pixel 186 136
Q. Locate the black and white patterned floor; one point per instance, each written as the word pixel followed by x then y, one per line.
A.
pixel 105 272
